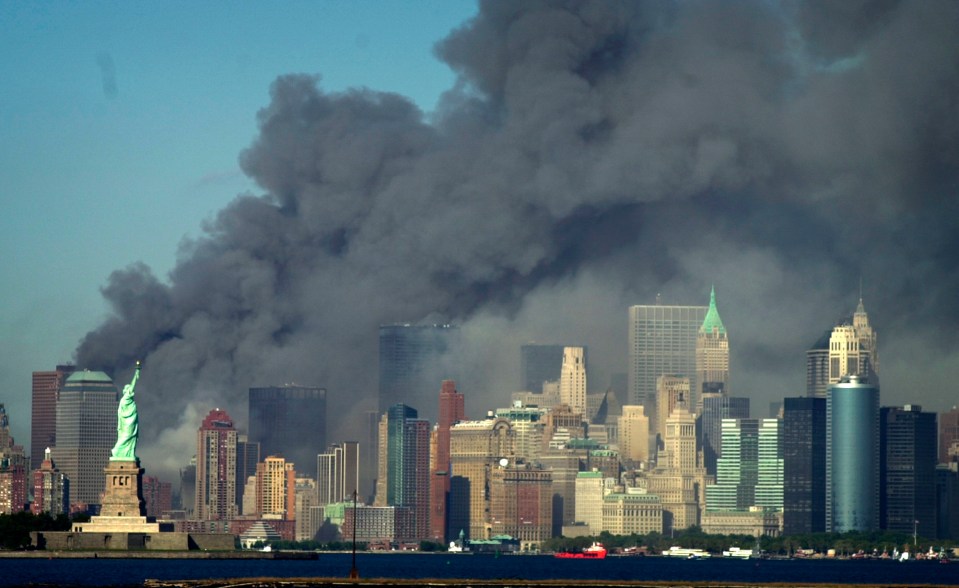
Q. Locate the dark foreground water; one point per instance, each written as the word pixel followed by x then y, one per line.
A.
pixel 107 572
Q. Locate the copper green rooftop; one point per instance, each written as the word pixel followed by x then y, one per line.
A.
pixel 712 323
pixel 89 376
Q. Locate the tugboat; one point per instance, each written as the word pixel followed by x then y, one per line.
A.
pixel 594 551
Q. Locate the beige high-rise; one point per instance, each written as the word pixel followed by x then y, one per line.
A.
pixel 572 379
pixel 670 391
pixel 634 434
pixel 680 477
pixel 475 448
pixel 712 356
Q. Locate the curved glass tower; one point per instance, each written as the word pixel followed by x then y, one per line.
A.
pixel 852 456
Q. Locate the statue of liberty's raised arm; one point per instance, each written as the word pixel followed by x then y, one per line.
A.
pixel 127 423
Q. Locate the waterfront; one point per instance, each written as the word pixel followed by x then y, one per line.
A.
pixel 510 569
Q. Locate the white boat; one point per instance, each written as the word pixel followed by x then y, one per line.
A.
pixel 738 552
pixel 688 553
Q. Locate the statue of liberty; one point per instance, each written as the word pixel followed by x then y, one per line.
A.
pixel 127 423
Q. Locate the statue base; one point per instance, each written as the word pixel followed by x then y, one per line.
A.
pixel 122 508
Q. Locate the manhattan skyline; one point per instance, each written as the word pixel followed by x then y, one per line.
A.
pixel 612 153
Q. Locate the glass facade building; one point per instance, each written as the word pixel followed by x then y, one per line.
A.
pixel 852 456
pixel 662 340
pixel 86 432
pixel 804 465
pixel 717 407
pixel 907 462
pixel 289 421
pixel 413 362
pixel 750 471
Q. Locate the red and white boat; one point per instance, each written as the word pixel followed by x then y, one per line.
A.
pixel 594 551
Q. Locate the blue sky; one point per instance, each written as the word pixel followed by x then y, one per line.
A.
pixel 120 128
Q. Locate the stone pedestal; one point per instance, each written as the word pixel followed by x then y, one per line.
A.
pixel 122 509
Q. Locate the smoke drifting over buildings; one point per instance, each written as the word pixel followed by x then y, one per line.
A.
pixel 590 156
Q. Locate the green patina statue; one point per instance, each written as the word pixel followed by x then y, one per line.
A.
pixel 127 423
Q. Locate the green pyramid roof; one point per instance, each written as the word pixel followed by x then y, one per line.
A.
pixel 712 322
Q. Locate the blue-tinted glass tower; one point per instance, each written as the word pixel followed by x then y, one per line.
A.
pixel 852 456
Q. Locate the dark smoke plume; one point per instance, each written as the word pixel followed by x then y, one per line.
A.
pixel 591 155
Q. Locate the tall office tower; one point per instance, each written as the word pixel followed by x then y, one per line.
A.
pixel 86 432
pixel 247 456
pixel 907 466
pixel 817 367
pixel 216 468
pixel 452 409
pixel 804 465
pixel 572 380
pixel 529 423
pixel 157 496
pixel 405 451
pixel 634 436
pixel 679 476
pixel 662 340
pixel 853 351
pixel 670 391
pixel 289 421
pixel 275 489
pixel 712 355
pixel 475 448
pixel 43 432
pixel 949 436
pixel 51 489
pixel 338 473
pixel 538 364
pixel 370 457
pixel 715 408
pixel 750 471
pixel 852 456
pixel 521 503
pixel 413 360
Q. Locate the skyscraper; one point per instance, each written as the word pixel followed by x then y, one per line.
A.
pixel 338 472
pixel 852 456
pixel 679 476
pixel 13 470
pixel 712 355
pixel 216 468
pixel 475 448
pixel 538 364
pixel 817 367
pixel 572 380
pixel 521 502
pixel 289 421
pixel 414 359
pixel 634 435
pixel 86 432
pixel 670 392
pixel 275 489
pixel 247 456
pixel 716 407
pixel 907 465
pixel 451 411
pixel 662 340
pixel 407 467
pixel 804 465
pixel 43 431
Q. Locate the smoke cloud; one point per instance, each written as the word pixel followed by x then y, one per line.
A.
pixel 591 156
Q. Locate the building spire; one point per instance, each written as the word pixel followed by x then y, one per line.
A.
pixel 712 323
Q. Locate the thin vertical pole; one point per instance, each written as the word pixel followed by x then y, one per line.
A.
pixel 354 573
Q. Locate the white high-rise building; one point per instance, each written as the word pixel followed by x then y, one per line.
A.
pixel 572 379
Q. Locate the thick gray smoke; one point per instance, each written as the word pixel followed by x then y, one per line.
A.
pixel 590 156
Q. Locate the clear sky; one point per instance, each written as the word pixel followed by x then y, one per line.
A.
pixel 120 128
